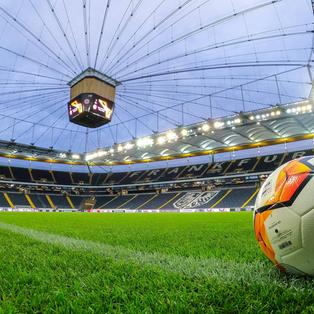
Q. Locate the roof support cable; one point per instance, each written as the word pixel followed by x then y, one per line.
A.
pixel 64 34
pixel 127 55
pixel 114 36
pixel 124 27
pixel 146 109
pixel 70 63
pixel 229 43
pixel 86 33
pixel 125 45
pixel 101 32
pixel 194 32
pixel 77 50
pixel 30 33
pixel 165 107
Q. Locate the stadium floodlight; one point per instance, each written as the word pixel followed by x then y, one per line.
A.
pixel 184 132
pixel 205 127
pixel 161 140
pixel 128 146
pixel 76 156
pixel 93 155
pixel 218 124
pixel 143 142
pixel 171 136
pixel 62 155
pixel 101 153
pixel 299 109
pixel 89 157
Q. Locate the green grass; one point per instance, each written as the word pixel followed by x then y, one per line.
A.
pixel 141 263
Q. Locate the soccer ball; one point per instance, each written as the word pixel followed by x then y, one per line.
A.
pixel 284 217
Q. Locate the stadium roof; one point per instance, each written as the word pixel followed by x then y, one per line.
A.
pixel 277 125
pixel 177 66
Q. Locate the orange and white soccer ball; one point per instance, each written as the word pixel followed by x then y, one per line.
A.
pixel 284 216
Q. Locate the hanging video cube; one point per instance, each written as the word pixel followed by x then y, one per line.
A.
pixel 92 99
pixel 90 110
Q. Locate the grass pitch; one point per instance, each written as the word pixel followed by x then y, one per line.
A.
pixel 141 263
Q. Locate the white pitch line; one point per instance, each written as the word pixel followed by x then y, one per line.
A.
pixel 227 271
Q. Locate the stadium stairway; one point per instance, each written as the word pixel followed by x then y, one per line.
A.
pixel 103 200
pixel 18 199
pixel 139 200
pixel 251 200
pixel 60 201
pixel 77 200
pixel 159 201
pixel 236 198
pixel 40 200
pixel 3 201
pixel 117 202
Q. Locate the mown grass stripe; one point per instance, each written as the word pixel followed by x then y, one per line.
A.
pixel 224 270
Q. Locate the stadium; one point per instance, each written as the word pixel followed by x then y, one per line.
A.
pixel 136 138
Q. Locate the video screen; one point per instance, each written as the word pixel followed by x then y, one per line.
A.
pixel 90 110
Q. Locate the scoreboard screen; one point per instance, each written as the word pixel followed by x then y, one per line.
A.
pixel 90 110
